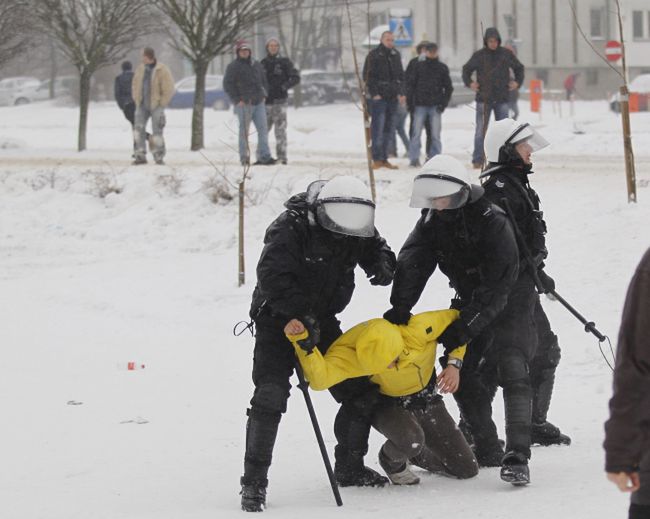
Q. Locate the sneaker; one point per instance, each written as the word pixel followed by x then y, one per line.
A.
pixel 515 469
pixel 253 495
pixel 389 165
pixel 139 160
pixel 378 164
pixel 546 434
pixel 265 162
pixel 366 477
pixel 401 476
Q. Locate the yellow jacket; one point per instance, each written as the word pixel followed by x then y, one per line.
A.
pixel 162 86
pixel 370 347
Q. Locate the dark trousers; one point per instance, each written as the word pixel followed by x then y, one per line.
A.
pixel 427 437
pixel 501 356
pixel 129 112
pixel 274 361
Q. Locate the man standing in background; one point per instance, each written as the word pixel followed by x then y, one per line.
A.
pixel 384 78
pixel 493 65
pixel 153 89
pixel 281 75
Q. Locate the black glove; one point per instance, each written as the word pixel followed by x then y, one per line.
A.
pixel 455 335
pixel 313 333
pixel 382 274
pixel 398 315
pixel 548 284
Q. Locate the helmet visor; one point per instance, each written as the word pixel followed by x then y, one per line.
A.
pixel 350 216
pixel 530 136
pixel 439 191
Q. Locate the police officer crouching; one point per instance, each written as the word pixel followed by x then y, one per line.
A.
pixel 508 148
pixel 306 272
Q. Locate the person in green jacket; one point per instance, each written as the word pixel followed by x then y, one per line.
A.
pixel 400 359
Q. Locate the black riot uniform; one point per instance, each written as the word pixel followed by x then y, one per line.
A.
pixel 307 272
pixel 511 182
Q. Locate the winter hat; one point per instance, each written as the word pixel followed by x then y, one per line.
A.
pixel 242 44
pixel 421 46
pixel 272 38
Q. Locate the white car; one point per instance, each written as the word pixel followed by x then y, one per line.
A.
pixel 18 90
pixel 64 86
pixel 639 85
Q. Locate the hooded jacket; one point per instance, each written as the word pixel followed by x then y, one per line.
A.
pixel 281 75
pixel 122 89
pixel 492 69
pixel 305 269
pixel 383 73
pixel 162 86
pixel 370 347
pixel 474 246
pixel 627 432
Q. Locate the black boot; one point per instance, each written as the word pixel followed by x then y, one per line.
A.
pixel 490 456
pixel 515 469
pixel 548 434
pixel 350 471
pixel 253 495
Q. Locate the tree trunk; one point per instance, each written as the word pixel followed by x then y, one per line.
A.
pixel 200 69
pixel 84 99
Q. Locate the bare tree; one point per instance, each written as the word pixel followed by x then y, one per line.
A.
pixel 204 29
pixel 15 29
pixel 92 34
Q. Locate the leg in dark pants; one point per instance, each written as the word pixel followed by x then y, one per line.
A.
pixel 640 500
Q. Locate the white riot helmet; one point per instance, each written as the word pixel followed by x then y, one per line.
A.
pixel 343 205
pixel 443 183
pixel 502 136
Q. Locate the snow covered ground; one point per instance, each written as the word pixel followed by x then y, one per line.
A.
pixel 149 274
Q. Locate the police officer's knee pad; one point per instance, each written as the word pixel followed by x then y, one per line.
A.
pixel 271 398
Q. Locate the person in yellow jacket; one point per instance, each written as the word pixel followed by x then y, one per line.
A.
pixel 400 359
pixel 152 89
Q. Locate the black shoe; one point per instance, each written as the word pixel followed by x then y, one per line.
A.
pixel 515 469
pixel 366 477
pixel 139 160
pixel 548 434
pixel 266 162
pixel 253 495
pixel 283 162
pixel 160 162
pixel 415 164
pixel 490 457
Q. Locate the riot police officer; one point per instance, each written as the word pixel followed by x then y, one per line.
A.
pixel 306 272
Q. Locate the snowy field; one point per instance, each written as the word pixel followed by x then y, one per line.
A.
pixel 90 282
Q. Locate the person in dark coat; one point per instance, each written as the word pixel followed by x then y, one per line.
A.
pixel 384 77
pixel 122 92
pixel 246 85
pixel 306 272
pixel 508 148
pixel 281 75
pixel 627 432
pixel 472 242
pixel 421 56
pixel 492 65
pixel 428 84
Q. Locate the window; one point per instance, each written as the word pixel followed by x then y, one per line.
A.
pixel 637 25
pixel 596 23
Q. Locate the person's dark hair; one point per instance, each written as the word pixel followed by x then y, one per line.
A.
pixel 431 46
pixel 422 45
pixel 149 52
pixel 126 65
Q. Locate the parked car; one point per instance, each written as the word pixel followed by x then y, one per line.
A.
pixel 64 86
pixel 214 93
pixel 639 85
pixel 461 94
pixel 18 90
pixel 322 87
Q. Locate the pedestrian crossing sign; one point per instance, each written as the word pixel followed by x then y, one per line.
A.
pixel 402 29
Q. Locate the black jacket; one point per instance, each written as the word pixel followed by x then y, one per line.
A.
pixel 627 432
pixel 383 73
pixel 428 83
pixel 122 89
pixel 474 246
pixel 511 182
pixel 305 269
pixel 281 75
pixel 245 80
pixel 492 69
